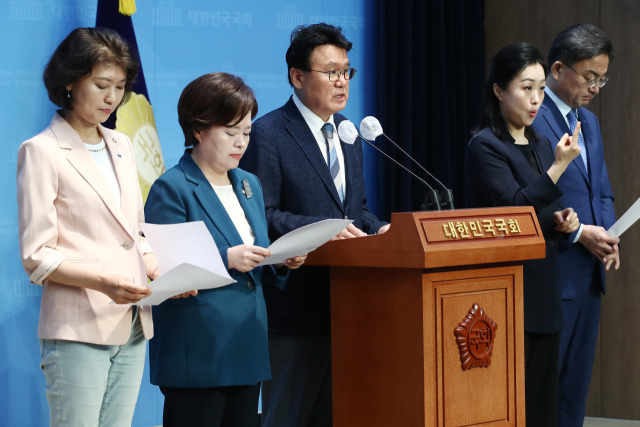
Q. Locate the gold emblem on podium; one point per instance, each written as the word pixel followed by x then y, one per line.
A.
pixel 475 336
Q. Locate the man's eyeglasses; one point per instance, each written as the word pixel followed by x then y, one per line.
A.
pixel 334 75
pixel 592 82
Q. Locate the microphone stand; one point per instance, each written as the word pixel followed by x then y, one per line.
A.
pixel 443 199
pixel 432 201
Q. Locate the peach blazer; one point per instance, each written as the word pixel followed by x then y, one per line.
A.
pixel 67 211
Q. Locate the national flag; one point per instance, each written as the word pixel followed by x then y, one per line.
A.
pixel 135 118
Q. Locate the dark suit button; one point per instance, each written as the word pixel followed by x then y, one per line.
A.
pixel 592 197
pixel 250 285
pixel 551 243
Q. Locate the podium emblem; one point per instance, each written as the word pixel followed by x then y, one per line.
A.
pixel 475 336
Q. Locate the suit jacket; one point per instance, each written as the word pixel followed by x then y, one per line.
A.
pixel 500 175
pixel 218 338
pixel 589 194
pixel 298 190
pixel 67 211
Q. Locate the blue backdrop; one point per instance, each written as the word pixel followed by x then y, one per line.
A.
pixel 178 42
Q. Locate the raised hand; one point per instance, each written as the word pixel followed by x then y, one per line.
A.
pixel 566 150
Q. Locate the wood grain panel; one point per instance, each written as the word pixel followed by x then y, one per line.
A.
pixel 615 383
pixel 483 396
pixel 620 374
pixel 479 395
pixel 405 245
pixel 377 347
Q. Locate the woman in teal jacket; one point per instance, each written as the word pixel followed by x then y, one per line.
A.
pixel 210 351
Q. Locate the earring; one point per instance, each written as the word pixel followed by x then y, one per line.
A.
pixel 68 94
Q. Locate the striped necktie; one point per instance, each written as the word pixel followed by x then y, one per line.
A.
pixel 573 121
pixel 332 159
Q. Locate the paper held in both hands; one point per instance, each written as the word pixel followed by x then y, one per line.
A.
pixel 627 220
pixel 189 258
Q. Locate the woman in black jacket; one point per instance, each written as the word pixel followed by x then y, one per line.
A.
pixel 508 164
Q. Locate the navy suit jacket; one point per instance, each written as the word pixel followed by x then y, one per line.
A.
pixel 500 175
pixel 298 190
pixel 218 338
pixel 589 194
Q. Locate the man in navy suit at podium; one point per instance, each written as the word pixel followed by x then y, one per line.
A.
pixel 308 174
pixel 579 59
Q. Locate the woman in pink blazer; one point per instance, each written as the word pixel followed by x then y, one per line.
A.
pixel 79 205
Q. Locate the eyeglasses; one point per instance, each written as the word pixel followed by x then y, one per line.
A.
pixel 334 75
pixel 592 82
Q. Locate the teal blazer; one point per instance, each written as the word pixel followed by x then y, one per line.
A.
pixel 218 338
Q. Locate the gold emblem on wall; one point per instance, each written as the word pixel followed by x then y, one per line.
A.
pixel 135 119
pixel 475 336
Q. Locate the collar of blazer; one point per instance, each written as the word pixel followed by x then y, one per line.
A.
pixel 511 146
pixel 300 131
pixel 559 126
pixel 214 208
pixel 81 159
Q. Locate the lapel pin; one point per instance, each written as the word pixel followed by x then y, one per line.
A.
pixel 119 155
pixel 114 140
pixel 246 189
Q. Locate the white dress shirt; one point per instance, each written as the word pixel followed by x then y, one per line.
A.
pixel 315 123
pixel 231 204
pixel 564 110
pixel 562 106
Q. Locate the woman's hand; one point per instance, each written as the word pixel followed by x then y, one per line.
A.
pixel 567 220
pixel 151 262
pixel 566 150
pixel 121 289
pixel 186 294
pixel 296 262
pixel 245 257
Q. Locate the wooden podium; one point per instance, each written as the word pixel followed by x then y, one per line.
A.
pixel 427 319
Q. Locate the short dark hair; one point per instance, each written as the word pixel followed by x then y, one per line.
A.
pixel 578 43
pixel 215 99
pixel 304 39
pixel 505 66
pixel 79 52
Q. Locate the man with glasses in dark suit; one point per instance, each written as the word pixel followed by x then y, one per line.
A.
pixel 307 175
pixel 579 59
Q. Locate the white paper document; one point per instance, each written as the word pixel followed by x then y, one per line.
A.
pixel 627 220
pixel 188 257
pixel 304 240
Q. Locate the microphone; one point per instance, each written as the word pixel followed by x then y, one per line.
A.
pixel 348 133
pixel 371 129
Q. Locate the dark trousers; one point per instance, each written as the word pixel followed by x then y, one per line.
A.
pixel 299 393
pixel 234 406
pixel 577 350
pixel 541 355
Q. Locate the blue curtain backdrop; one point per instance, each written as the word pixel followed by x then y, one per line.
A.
pixel 178 41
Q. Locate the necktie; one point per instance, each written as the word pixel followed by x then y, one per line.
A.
pixel 573 121
pixel 332 159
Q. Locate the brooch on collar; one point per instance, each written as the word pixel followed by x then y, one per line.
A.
pixel 246 189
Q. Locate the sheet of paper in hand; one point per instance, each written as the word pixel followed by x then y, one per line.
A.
pixel 627 220
pixel 305 239
pixel 188 257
